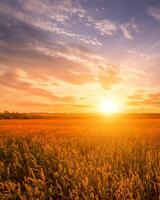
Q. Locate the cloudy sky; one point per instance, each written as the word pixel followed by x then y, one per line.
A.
pixel 70 55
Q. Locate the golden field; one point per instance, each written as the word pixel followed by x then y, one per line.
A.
pixel 98 158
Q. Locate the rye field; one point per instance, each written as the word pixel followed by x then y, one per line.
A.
pixel 76 159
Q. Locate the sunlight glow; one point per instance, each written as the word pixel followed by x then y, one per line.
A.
pixel 109 106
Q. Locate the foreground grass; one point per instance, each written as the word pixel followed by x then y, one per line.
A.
pixel 80 159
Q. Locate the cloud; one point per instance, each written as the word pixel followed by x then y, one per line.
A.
pixel 15 80
pixel 106 27
pixel 154 12
pixel 136 99
pixel 17 32
pixel 70 64
pixel 109 77
pixel 23 44
pixel 110 27
pixel 52 17
pixel 54 8
pixel 53 21
pixel 30 106
pixel 45 47
pixel 52 11
pixel 144 98
pixel 153 99
pixel 128 29
pixel 142 55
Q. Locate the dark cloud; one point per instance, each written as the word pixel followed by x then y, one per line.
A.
pixel 16 32
pixel 16 5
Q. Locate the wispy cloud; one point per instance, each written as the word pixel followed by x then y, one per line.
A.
pixel 110 27
pixel 128 29
pixel 17 82
pixel 106 27
pixel 144 98
pixel 63 50
pixel 109 76
pixel 51 16
pixel 154 12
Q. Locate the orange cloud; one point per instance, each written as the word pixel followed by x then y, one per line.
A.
pixel 109 77
pixel 144 100
pixel 13 80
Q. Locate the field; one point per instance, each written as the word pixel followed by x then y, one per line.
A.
pixel 92 158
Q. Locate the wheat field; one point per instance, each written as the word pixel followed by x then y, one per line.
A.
pixel 80 159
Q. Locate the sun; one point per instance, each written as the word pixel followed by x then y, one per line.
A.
pixel 109 106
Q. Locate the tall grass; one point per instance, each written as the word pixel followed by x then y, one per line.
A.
pixel 80 159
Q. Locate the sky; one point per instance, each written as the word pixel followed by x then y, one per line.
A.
pixel 71 55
